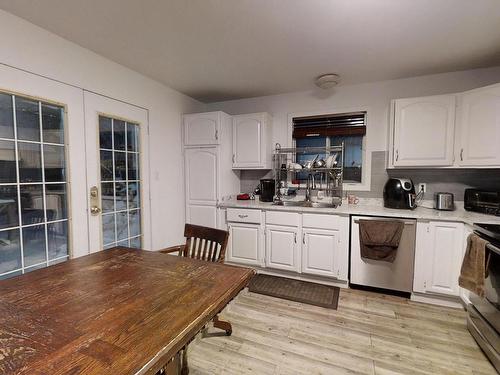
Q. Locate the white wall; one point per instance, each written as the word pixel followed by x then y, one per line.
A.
pixel 374 96
pixel 28 47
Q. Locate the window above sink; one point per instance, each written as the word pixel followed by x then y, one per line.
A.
pixel 330 130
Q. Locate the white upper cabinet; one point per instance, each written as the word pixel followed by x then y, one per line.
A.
pixel 461 130
pixel 424 131
pixel 202 128
pixel 479 128
pixel 251 141
pixel 438 257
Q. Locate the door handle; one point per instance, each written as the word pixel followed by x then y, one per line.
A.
pixel 462 154
pixel 397 155
pixel 217 135
pixel 304 238
pixel 94 210
pixel 295 237
pixel 94 201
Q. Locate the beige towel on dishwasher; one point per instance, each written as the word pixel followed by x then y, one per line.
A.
pixel 474 265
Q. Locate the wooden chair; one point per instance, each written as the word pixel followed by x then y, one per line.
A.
pixel 207 244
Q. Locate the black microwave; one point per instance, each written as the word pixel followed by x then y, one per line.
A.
pixel 484 201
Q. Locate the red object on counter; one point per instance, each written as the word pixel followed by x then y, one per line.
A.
pixel 243 197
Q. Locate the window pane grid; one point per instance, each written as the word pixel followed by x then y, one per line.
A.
pixel 353 154
pixel 29 237
pixel 129 210
pixel 33 142
pixel 44 195
pixel 120 182
pixel 17 180
pixel 33 183
pixel 114 243
pixel 33 225
pixel 29 268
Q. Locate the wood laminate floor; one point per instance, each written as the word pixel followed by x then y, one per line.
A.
pixel 369 334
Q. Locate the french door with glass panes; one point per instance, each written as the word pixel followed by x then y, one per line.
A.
pixel 117 173
pixel 43 207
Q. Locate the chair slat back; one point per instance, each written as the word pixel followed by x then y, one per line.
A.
pixel 205 243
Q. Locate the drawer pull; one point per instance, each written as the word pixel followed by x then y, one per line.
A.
pixel 242 216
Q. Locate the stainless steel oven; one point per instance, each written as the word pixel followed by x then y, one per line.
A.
pixel 484 312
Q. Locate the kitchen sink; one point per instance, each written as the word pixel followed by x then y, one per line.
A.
pixel 305 204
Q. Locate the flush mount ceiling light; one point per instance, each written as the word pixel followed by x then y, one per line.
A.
pixel 327 81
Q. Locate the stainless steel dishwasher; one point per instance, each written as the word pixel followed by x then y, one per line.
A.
pixel 394 276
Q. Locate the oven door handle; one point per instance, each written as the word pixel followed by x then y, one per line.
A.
pixel 495 249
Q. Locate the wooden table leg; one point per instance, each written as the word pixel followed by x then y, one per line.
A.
pixel 173 367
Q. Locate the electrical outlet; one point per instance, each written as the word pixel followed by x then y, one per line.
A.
pixel 422 187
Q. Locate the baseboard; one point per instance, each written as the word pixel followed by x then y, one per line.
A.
pixel 446 301
pixel 296 276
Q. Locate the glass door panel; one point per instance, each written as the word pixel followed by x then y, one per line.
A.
pixel 33 185
pixel 120 182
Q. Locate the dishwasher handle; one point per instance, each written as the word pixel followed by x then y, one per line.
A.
pixel 406 222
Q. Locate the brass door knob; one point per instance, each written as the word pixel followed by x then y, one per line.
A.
pixel 94 210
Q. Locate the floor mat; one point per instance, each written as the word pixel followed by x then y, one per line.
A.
pixel 296 290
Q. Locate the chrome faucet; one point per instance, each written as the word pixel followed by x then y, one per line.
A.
pixel 310 185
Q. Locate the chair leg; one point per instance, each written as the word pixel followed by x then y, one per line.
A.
pixel 222 324
pixel 184 365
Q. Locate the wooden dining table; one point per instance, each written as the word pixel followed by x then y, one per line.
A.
pixel 118 311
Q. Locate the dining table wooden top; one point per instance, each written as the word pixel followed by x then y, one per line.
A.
pixel 118 311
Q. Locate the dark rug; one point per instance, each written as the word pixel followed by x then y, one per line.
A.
pixel 296 290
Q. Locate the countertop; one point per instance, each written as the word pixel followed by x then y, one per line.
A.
pixel 374 207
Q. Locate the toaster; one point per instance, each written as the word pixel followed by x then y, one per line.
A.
pixel 444 201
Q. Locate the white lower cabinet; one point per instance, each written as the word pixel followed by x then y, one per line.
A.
pixel 310 244
pixel 319 248
pixel 438 257
pixel 282 248
pixel 245 244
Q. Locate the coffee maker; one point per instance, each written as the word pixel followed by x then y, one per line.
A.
pixel 267 189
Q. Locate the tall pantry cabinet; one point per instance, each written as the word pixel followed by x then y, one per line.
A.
pixel 208 169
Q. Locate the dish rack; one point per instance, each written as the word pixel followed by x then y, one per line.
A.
pixel 330 177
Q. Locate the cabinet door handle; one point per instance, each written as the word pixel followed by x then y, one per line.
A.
pixel 216 135
pixel 233 158
pixel 397 155
pixel 462 154
pixel 304 238
pixel 242 216
pixel 295 237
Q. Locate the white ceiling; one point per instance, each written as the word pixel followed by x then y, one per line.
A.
pixel 225 49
